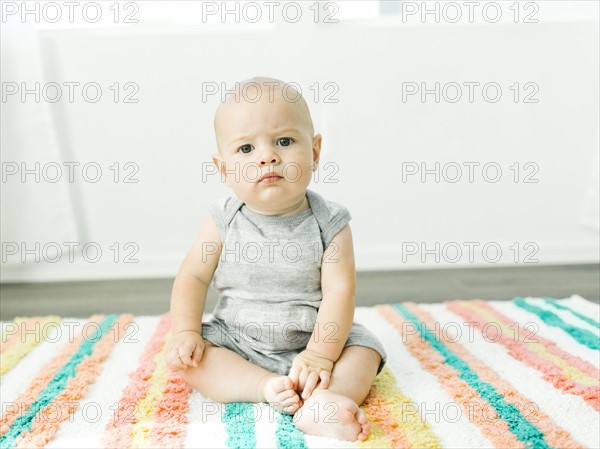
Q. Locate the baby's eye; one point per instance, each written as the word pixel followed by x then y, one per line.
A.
pixel 285 141
pixel 245 149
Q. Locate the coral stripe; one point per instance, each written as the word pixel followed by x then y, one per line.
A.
pixel 556 436
pixel 41 381
pixel 170 418
pixel 542 354
pixel 146 410
pixel 65 403
pixel 22 342
pixel 523 429
pixel 118 433
pixel 495 429
pixel 34 427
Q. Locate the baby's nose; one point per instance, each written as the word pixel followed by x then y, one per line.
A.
pixel 269 157
pixel 264 161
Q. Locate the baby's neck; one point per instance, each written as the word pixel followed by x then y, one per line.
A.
pixel 293 209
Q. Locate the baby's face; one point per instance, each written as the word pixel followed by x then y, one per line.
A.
pixel 266 151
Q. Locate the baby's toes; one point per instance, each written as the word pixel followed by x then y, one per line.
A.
pixel 274 387
pixel 362 419
pixel 280 394
pixel 290 405
pixel 287 383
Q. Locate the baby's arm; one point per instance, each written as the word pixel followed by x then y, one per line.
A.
pixel 189 296
pixel 334 320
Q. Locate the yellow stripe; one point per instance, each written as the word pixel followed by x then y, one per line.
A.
pixel 376 439
pixel 145 411
pixel 570 372
pixel 411 429
pixel 416 430
pixel 26 342
pixel 19 320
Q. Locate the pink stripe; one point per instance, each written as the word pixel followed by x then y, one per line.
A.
pixel 490 424
pixel 574 361
pixel 42 430
pixel 40 382
pixel 117 433
pixel 518 349
pixel 170 420
pixel 553 434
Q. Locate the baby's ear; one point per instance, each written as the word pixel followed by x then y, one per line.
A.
pixel 218 161
pixel 317 140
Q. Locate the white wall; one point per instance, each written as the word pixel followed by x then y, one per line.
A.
pixel 368 135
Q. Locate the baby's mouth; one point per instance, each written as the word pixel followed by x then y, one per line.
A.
pixel 270 178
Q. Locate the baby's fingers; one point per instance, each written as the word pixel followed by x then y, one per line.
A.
pixel 311 383
pixel 294 375
pixel 197 355
pixel 325 378
pixel 303 378
pixel 185 355
pixel 173 360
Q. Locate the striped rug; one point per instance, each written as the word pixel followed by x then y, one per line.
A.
pixel 461 374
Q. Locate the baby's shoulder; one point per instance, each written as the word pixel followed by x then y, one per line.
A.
pixel 226 204
pixel 327 209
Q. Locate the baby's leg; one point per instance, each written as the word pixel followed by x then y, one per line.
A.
pixel 225 376
pixel 334 412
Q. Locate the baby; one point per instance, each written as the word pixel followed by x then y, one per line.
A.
pixel 281 258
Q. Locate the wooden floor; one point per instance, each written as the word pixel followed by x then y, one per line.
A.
pixel 151 296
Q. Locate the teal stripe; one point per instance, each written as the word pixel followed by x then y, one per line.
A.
pixel 580 335
pixel 587 319
pixel 517 423
pixel 239 425
pixel 288 435
pixel 56 385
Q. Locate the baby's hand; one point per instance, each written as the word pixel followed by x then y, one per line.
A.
pixel 308 369
pixel 185 350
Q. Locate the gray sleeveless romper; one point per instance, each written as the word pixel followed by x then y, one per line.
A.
pixel 269 282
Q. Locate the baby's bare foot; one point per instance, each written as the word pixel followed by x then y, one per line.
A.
pixel 329 414
pixel 279 392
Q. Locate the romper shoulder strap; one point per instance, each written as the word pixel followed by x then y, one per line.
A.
pixel 222 211
pixel 331 217
pixel 232 205
pixel 319 209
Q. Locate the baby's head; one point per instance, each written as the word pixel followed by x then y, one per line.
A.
pixel 267 149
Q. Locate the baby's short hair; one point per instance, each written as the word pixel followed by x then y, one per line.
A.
pixel 253 89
